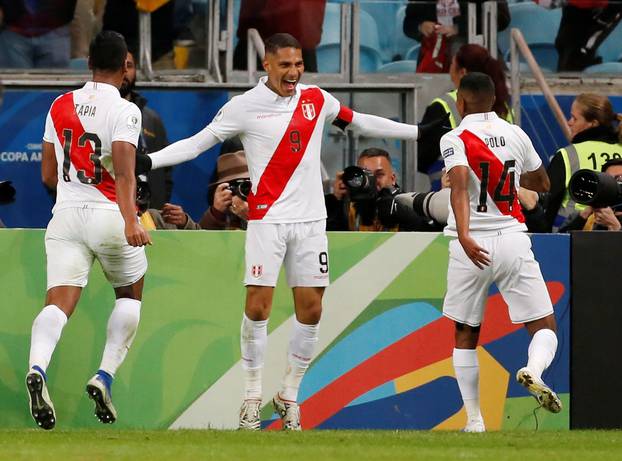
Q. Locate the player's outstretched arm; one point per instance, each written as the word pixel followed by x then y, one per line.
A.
pixel 178 152
pixel 123 161
pixel 380 127
pixel 459 178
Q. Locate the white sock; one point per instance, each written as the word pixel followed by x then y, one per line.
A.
pixel 541 351
pixel 466 367
pixel 46 330
pixel 253 340
pixel 121 331
pixel 301 347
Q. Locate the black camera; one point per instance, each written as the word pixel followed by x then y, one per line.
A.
pixel 595 189
pixel 240 187
pixel 360 182
pixel 143 195
pixel 7 192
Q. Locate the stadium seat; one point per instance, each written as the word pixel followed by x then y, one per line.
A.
pixel 384 15
pixel 329 58
pixel 79 64
pixel 399 67
pixel 605 68
pixel 403 44
pixel 545 54
pixel 329 49
pixel 610 49
pixel 370 55
pixel 538 25
pixel 413 53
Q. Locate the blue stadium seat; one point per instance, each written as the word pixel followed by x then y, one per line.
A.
pixel 611 48
pixel 413 53
pixel 605 68
pixel 329 49
pixel 403 44
pixel 328 58
pixel 370 54
pixel 384 15
pixel 538 25
pixel 399 67
pixel 545 54
pixel 79 64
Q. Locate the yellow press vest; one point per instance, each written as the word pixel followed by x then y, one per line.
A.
pixel 448 101
pixel 590 155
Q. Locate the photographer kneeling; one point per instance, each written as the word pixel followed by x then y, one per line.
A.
pixel 602 199
pixel 367 198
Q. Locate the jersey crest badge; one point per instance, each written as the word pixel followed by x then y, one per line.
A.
pixel 256 270
pixel 308 110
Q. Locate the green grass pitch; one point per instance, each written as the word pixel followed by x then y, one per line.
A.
pixel 104 444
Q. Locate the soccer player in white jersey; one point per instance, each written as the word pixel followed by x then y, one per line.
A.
pixel 280 123
pixel 487 158
pixel 89 149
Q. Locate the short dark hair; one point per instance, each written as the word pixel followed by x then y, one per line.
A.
pixel 478 84
pixel 281 40
pixel 375 152
pixel 610 163
pixel 107 51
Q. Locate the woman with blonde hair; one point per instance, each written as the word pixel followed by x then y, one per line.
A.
pixel 596 139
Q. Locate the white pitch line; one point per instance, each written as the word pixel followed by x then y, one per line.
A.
pixel 344 300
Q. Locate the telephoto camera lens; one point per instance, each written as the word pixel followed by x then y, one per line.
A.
pixel 361 183
pixel 595 189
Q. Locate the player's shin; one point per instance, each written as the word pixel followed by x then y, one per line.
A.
pixel 541 351
pixel 466 367
pixel 121 331
pixel 46 330
pixel 301 348
pixel 253 340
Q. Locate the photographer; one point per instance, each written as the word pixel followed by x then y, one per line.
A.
pixel 368 198
pixel 600 218
pixel 228 209
pixel 169 217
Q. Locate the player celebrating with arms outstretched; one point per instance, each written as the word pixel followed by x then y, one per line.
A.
pixel 487 158
pixel 89 149
pixel 280 123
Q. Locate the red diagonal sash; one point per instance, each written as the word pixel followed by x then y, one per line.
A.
pixel 288 154
pixel 64 117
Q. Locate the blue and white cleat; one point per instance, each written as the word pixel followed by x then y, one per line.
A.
pixel 41 407
pixel 536 387
pixel 99 392
pixel 289 412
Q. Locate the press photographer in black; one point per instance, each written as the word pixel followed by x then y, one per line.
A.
pixel 367 197
pixel 601 193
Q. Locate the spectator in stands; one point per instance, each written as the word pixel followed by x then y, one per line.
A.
pixel 152 138
pixel 346 213
pixel 607 218
pixel 595 140
pixel 228 210
pixel 301 18
pixel 585 24
pixel 35 34
pixel 441 27
pixel 469 58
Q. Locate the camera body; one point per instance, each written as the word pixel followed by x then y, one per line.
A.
pixel 240 187
pixel 360 182
pixel 7 192
pixel 595 189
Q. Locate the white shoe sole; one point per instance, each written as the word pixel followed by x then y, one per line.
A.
pixel 543 393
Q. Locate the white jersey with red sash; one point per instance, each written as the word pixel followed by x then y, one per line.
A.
pixel 82 125
pixel 496 153
pixel 282 138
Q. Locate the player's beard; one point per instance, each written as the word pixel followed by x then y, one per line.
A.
pixel 127 87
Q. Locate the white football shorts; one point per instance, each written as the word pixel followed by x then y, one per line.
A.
pixel 76 236
pixel 513 268
pixel 303 247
